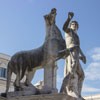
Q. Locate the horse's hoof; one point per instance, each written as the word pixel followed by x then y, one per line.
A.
pixel 17 88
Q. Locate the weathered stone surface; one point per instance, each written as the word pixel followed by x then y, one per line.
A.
pixel 41 97
pixel 29 90
pixel 27 62
pixel 1 98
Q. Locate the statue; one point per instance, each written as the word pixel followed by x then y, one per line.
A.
pixel 73 72
pixel 27 62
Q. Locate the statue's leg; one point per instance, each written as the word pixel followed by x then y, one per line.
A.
pixel 64 84
pixel 65 67
pixel 68 67
pixel 29 77
pixel 17 82
pixel 74 60
pixel 81 77
pixel 72 87
pixel 67 71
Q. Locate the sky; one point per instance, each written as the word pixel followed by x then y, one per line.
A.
pixel 22 27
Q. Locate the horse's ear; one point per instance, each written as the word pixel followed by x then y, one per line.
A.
pixel 45 16
pixel 53 10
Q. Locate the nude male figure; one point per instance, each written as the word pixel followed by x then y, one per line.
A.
pixel 72 64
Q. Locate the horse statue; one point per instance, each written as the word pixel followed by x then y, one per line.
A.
pixel 27 62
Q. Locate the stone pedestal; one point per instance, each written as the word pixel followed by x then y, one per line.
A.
pixel 50 73
pixel 2 98
pixel 41 97
pixel 27 91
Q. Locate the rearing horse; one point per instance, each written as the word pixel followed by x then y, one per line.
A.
pixel 27 62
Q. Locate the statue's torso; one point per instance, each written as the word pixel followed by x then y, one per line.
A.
pixel 72 39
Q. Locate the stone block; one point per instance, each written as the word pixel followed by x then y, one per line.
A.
pixel 2 98
pixel 41 97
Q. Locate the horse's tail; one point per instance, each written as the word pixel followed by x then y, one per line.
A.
pixel 9 73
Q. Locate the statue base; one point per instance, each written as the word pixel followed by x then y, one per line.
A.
pixel 29 90
pixel 32 93
pixel 57 96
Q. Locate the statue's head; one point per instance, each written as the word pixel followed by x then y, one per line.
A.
pixel 50 18
pixel 74 25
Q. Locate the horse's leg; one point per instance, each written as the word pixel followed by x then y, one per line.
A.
pixel 50 76
pixel 29 77
pixel 17 82
pixel 18 67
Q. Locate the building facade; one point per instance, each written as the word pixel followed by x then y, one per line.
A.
pixel 3 72
pixel 92 97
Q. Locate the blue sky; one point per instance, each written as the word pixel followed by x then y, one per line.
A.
pixel 22 27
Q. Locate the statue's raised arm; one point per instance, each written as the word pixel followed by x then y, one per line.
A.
pixel 66 24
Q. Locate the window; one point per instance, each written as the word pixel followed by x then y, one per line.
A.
pixel 3 72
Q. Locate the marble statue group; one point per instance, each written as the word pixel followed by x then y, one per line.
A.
pixel 55 47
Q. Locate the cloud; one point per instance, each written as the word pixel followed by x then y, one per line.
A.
pixel 96 50
pixel 96 57
pixel 89 89
pixel 95 54
pixel 93 71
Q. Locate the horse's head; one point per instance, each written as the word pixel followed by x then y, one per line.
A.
pixel 50 18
